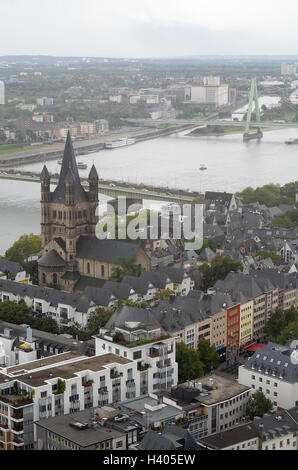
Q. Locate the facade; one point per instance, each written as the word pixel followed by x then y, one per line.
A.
pixel 220 403
pixel 273 371
pixel 71 252
pixel 210 94
pixel 76 432
pixel 154 352
pixel 61 385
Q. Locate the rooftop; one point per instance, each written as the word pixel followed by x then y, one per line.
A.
pixel 69 370
pixel 221 390
pixel 65 426
pixel 231 437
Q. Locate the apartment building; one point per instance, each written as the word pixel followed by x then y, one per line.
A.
pixel 246 322
pixel 244 437
pixel 20 344
pixel 221 401
pixel 148 346
pixel 273 370
pixel 69 308
pixel 278 430
pixel 75 432
pixel 62 385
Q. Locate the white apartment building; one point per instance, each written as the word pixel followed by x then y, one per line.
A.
pixel 153 351
pixel 273 370
pixel 217 95
pixel 66 383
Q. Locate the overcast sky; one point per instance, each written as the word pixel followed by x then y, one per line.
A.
pixel 148 28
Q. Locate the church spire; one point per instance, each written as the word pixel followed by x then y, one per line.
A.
pixel 69 164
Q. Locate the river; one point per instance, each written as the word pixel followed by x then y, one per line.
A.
pixel 172 161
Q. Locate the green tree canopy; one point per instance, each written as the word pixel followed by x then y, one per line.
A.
pixel 288 333
pixel 12 312
pixel 219 269
pixel 189 364
pixel 98 318
pixel 287 220
pixel 258 405
pixel 127 267
pixel 25 246
pixel 207 243
pixel 208 355
pixel 282 326
pixel 270 194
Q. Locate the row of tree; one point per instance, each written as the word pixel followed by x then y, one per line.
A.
pixel 271 194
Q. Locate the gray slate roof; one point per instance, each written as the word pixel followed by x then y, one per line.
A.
pixel 276 360
pixel 105 250
pixel 69 173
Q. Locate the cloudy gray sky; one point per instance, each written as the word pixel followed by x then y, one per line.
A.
pixel 148 28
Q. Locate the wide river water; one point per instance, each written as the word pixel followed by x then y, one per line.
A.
pixel 172 161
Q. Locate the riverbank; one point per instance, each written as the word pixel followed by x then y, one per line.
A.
pixel 55 151
pixel 214 131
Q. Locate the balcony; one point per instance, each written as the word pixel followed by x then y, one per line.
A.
pixel 3 426
pixel 16 401
pixel 87 383
pixel 115 374
pixel 18 442
pixel 17 429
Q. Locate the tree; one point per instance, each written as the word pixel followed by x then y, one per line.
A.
pixel 47 324
pixel 189 364
pixel 98 318
pixel 275 324
pixel 164 294
pixel 2 137
pixel 289 333
pixel 282 326
pixel 208 355
pixel 76 331
pixel 207 243
pixel 126 267
pixel 25 246
pixel 258 405
pixel 219 269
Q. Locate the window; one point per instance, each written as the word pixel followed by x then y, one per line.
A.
pixel 118 444
pixel 102 270
pixel 137 354
pixel 88 268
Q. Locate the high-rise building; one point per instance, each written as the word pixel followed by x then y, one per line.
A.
pixel 2 92
pixel 288 69
pixel 211 81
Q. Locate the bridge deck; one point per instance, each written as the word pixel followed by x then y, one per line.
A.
pixel 115 190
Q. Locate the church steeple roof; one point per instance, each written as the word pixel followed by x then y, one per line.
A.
pixel 69 164
pixel 93 175
pixel 45 175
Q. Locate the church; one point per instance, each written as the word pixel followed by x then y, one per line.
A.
pixel 72 257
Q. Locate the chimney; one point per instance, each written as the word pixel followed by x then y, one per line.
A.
pixel 260 436
pixel 29 334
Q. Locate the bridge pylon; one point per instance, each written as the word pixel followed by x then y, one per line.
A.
pixel 253 99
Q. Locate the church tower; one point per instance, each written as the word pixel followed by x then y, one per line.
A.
pixel 67 213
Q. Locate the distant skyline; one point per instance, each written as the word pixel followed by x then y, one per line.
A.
pixel 148 28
